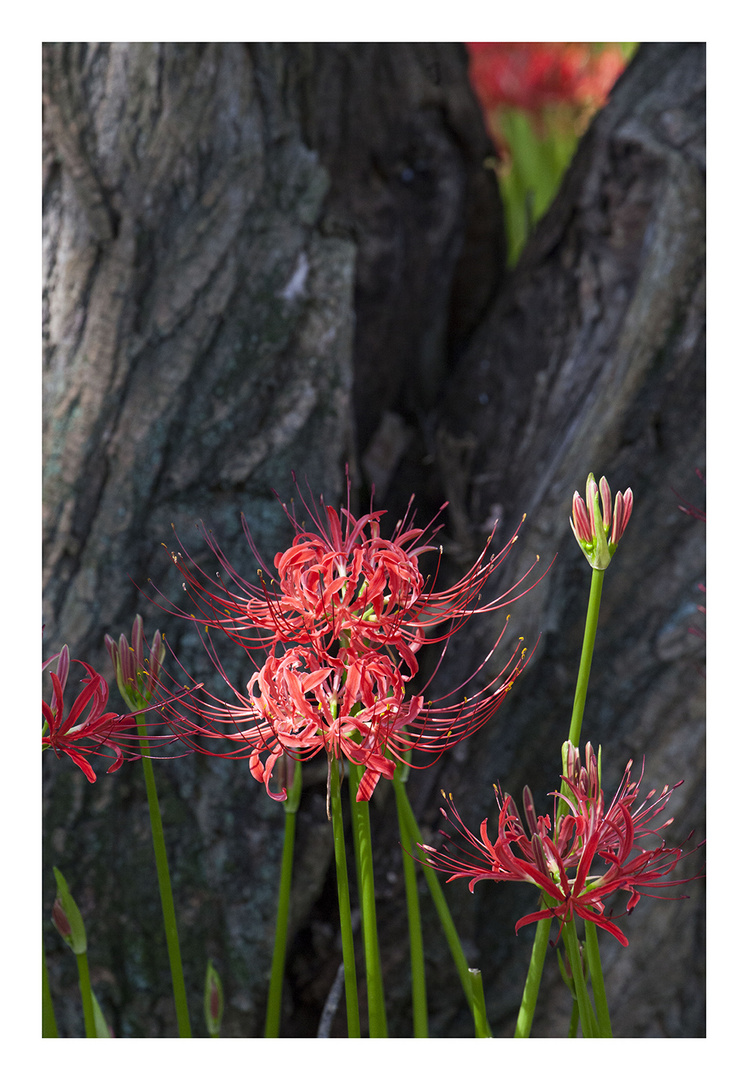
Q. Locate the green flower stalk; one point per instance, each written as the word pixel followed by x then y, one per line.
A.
pixel 531 990
pixel 590 1028
pixel 437 894
pixel 102 1028
pixel 68 922
pixel 365 875
pixel 592 952
pixel 598 533
pixel 49 1023
pixel 415 934
pixel 482 1030
pixel 138 680
pixel 344 902
pixel 290 806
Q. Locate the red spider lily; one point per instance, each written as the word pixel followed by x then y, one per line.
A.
pixel 353 706
pixel 342 585
pixel 78 735
pixel 341 624
pixel 297 706
pixel 88 727
pixel 558 856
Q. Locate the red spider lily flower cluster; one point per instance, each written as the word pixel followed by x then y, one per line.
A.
pixel 341 621
pixel 581 857
pixel 599 533
pixel 87 728
pixel 533 75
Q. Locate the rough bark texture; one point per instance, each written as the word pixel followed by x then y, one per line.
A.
pixel 272 257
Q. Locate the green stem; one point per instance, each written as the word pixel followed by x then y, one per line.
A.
pixel 344 904
pixel 442 908
pixel 590 1029
pixel 365 874
pixel 532 982
pixel 482 1030
pixel 575 733
pixel 585 661
pixel 594 966
pixel 84 982
pixel 167 899
pixel 574 1019
pixel 417 965
pixel 49 1024
pixel 275 992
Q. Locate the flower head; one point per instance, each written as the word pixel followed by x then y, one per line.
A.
pixel 342 584
pixel 581 857
pixel 355 706
pixel 599 532
pixel 88 728
pixel 342 624
pixel 535 74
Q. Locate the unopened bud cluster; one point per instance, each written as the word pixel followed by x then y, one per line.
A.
pixel 599 531
pixel 137 676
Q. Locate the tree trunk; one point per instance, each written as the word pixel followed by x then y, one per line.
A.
pixel 266 258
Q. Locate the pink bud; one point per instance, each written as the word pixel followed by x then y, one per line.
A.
pixel 529 805
pixel 215 1003
pixel 621 514
pixel 581 522
pixel 125 661
pixel 61 921
pixel 138 637
pixel 591 495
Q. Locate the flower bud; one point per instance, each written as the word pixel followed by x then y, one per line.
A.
pixel 61 921
pixel 67 918
pixel 137 677
pixel 213 1001
pixel 598 531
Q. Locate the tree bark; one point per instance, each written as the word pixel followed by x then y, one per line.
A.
pixel 273 257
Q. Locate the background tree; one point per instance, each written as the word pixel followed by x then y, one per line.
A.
pixel 268 257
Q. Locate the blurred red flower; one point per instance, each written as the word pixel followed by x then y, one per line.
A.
pixel 532 75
